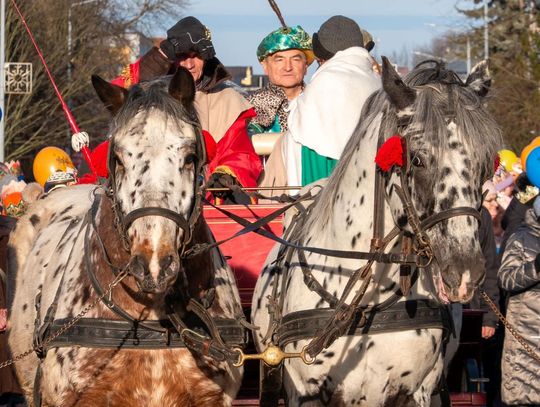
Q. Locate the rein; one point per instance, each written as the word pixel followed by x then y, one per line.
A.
pixel 343 314
pixel 198 331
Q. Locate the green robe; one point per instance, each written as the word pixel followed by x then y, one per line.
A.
pixel 315 166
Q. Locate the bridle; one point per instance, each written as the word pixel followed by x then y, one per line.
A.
pixel 186 224
pixel 415 245
pixel 419 227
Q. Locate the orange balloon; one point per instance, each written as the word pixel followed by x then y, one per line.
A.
pixel 527 150
pixel 50 160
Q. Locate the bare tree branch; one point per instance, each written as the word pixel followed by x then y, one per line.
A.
pixel 98 37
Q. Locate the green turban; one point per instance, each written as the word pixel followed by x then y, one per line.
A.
pixel 286 38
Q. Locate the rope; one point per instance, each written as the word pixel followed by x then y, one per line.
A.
pixel 67 112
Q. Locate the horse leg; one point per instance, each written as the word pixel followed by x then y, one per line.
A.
pixel 423 396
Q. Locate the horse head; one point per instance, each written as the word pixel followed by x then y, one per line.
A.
pixel 450 141
pixel 155 158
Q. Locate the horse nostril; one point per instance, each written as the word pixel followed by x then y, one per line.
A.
pixel 138 267
pixel 168 265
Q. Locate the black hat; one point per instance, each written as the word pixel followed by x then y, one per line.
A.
pixel 190 35
pixel 336 34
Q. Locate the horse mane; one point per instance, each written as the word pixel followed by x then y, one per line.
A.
pixel 148 96
pixel 434 84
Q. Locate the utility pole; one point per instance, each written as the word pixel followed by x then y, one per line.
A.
pixel 2 75
pixel 69 33
pixel 486 36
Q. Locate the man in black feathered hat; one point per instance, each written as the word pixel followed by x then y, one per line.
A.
pixel 222 111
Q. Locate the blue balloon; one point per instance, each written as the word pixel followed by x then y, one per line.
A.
pixel 533 166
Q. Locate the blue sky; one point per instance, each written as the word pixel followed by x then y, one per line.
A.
pixel 238 26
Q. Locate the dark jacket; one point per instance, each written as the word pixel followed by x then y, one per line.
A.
pixel 512 219
pixel 490 286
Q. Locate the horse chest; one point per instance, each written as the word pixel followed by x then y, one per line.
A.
pixel 95 377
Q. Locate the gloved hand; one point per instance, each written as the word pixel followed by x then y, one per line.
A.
pixel 171 46
pixel 221 180
pixel 79 140
pixel 154 64
pixel 167 47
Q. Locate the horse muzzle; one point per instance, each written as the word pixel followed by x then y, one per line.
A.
pixel 155 276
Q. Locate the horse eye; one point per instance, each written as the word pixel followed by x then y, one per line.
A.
pixel 190 159
pixel 417 161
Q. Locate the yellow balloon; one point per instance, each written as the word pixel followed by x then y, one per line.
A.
pixel 50 160
pixel 527 150
pixel 508 159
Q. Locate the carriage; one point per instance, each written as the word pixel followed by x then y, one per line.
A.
pixel 133 280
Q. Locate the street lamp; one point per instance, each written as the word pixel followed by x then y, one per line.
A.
pixel 79 3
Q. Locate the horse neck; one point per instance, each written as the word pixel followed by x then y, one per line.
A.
pixel 351 202
pixel 350 226
pixel 199 270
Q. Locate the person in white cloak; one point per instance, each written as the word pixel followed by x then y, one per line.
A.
pixel 324 116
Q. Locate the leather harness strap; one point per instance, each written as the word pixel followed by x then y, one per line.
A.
pixel 344 313
pixel 116 334
pixel 131 333
pixel 405 315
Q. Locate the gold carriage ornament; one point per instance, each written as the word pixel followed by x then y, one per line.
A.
pixel 273 356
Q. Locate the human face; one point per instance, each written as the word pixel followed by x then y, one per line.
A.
pixel 490 203
pixel 193 63
pixel 286 69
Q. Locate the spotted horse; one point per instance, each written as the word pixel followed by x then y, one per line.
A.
pixel 374 321
pixel 115 256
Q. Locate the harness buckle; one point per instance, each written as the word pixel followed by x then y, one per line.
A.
pixel 273 356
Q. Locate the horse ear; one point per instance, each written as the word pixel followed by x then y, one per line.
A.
pixel 182 87
pixel 400 94
pixel 479 79
pixel 112 96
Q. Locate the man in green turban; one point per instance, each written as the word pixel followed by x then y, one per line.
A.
pixel 285 55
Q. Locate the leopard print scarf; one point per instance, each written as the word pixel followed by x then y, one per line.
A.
pixel 270 102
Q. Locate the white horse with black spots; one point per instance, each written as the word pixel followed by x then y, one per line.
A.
pixel 451 141
pixel 76 243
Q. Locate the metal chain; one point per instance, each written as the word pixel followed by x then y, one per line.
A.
pixel 510 328
pixel 68 325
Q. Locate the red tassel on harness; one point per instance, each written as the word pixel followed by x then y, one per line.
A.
pixel 390 153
